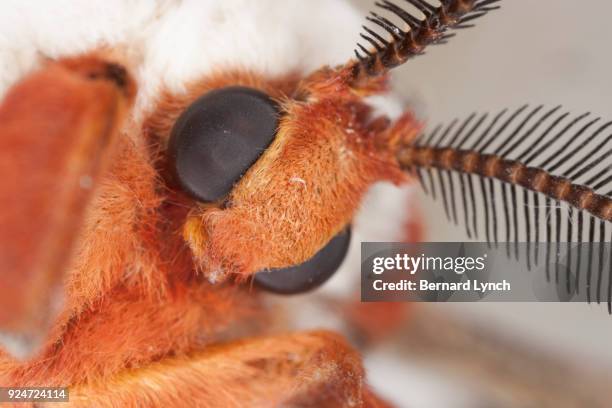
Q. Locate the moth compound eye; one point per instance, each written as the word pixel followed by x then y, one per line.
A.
pixel 310 274
pixel 218 138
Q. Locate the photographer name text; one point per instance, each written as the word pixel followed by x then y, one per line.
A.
pixel 425 285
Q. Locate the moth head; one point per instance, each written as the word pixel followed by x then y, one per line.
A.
pixel 275 168
pixel 272 169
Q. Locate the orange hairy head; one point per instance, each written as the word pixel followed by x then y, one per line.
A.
pixel 306 186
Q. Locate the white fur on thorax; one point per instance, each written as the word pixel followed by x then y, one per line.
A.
pixel 177 41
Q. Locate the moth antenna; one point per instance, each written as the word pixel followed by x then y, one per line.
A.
pixel 533 175
pixel 419 32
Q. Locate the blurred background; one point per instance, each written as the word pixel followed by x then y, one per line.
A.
pixel 538 52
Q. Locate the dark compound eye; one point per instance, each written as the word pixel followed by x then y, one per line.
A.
pixel 219 137
pixel 310 274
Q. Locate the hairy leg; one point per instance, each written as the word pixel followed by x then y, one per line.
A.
pixel 307 369
pixel 56 128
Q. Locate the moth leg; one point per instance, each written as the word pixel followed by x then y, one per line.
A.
pixel 57 127
pixel 307 369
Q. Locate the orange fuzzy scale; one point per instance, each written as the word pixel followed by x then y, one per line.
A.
pixel 57 131
pixel 134 304
pixel 130 294
pixel 292 370
pixel 306 187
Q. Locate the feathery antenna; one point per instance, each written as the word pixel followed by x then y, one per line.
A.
pixel 397 45
pixel 533 176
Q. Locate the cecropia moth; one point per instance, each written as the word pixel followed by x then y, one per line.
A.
pixel 160 157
